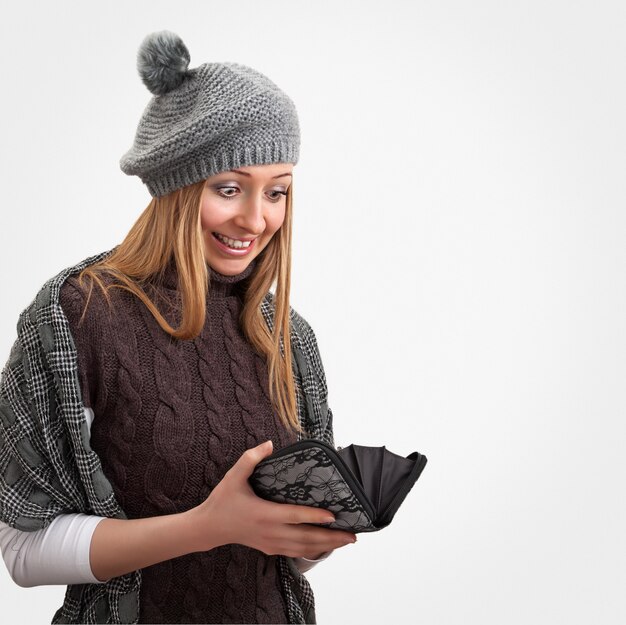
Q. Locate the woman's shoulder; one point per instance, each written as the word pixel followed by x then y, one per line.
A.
pixel 302 335
pixel 73 298
pixel 61 289
pixel 306 342
pixel 300 327
pixel 90 306
pixel 76 294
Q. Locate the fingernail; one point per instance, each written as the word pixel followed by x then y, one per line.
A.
pixel 329 519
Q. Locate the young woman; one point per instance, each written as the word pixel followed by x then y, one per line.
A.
pixel 184 379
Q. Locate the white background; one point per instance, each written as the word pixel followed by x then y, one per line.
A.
pixel 459 251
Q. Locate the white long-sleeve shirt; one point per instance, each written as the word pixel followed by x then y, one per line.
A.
pixel 59 554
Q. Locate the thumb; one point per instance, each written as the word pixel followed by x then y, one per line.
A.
pixel 251 457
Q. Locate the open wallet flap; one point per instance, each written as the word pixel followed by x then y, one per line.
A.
pixel 385 477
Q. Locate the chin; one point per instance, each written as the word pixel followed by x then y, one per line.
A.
pixel 228 266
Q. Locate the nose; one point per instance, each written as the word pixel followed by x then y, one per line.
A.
pixel 250 218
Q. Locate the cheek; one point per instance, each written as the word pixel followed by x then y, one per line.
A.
pixel 210 215
pixel 274 220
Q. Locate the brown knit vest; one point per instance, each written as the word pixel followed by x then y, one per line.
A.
pixel 171 417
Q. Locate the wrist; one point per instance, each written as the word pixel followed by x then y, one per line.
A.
pixel 196 530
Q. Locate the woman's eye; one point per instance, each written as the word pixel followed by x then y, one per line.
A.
pixel 278 194
pixel 228 197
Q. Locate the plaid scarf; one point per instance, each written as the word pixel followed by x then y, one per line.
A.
pixel 47 466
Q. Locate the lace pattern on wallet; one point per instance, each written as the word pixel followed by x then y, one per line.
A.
pixel 362 486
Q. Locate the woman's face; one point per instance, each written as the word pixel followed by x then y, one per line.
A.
pixel 244 203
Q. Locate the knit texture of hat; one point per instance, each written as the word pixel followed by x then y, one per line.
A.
pixel 201 121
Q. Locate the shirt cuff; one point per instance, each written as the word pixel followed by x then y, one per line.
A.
pixel 306 564
pixel 323 556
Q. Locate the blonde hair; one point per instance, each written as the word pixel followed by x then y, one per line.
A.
pixel 170 227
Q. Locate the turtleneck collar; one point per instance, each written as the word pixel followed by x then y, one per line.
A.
pixel 220 285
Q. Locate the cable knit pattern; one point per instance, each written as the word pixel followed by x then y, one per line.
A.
pixel 243 376
pixel 214 393
pixel 173 426
pixel 127 404
pixel 171 418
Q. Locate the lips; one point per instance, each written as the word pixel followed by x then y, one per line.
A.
pixel 234 238
pixel 241 251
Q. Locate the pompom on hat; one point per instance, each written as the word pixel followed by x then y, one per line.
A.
pixel 201 121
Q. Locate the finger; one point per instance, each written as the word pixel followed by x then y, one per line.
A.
pixel 314 541
pixel 330 534
pixel 294 514
pixel 312 533
pixel 246 463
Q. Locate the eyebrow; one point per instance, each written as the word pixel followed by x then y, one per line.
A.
pixel 245 173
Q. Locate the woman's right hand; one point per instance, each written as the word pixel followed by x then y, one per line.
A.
pixel 233 513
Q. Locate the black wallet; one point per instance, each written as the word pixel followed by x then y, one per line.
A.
pixel 362 486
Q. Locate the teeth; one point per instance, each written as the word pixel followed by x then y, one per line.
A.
pixel 232 242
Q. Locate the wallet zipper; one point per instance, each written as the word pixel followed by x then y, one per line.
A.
pixel 345 472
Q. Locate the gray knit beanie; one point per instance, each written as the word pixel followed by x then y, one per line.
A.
pixel 201 121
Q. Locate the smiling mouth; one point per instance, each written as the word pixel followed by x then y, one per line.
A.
pixel 239 246
pixel 235 238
